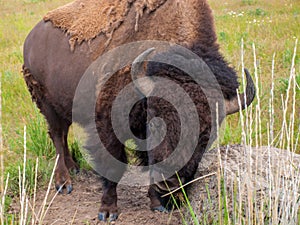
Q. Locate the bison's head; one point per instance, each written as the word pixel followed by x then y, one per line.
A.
pixel 167 126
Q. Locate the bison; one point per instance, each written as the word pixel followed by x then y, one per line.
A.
pixel 56 56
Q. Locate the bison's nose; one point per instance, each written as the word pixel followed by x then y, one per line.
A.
pixel 168 185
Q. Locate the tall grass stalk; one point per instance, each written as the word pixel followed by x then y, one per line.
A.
pixel 2 204
pixel 2 189
pixel 22 185
pixel 292 121
pixel 34 191
pixel 271 104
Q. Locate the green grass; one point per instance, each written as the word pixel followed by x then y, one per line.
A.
pixel 271 25
pixel 38 141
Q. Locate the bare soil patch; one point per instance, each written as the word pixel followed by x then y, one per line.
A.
pixel 82 205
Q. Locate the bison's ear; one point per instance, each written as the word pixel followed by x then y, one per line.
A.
pixel 144 84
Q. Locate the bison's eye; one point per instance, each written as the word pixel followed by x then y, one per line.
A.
pixel 152 126
pixel 156 123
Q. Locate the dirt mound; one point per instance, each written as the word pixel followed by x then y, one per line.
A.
pixel 253 179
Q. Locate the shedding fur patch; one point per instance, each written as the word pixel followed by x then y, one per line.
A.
pixel 83 20
pixel 35 89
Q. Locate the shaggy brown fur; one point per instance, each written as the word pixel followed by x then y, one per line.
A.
pixel 33 86
pixel 83 20
pixel 53 72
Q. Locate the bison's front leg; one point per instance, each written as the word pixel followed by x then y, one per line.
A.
pixel 109 208
pixel 155 200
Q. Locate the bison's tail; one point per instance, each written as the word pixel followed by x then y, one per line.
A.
pixel 233 105
pixel 35 89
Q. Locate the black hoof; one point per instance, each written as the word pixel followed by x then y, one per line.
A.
pixel 113 217
pixel 69 189
pixel 75 171
pixel 160 209
pixel 102 216
pixel 59 188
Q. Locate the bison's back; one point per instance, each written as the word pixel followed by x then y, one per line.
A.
pixel 58 68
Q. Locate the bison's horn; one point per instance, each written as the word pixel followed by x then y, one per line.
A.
pixel 233 106
pixel 145 85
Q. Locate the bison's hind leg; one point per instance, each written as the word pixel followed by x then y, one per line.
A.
pixel 69 162
pixel 58 131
